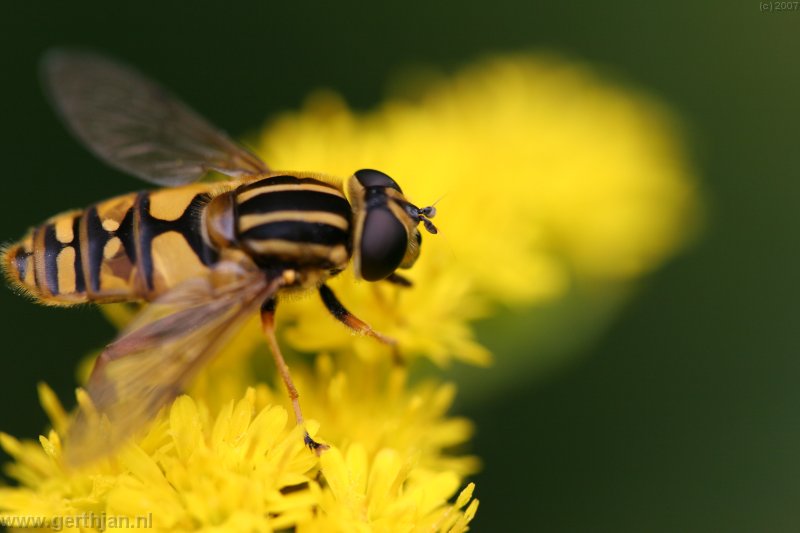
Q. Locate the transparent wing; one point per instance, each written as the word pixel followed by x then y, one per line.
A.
pixel 155 357
pixel 137 126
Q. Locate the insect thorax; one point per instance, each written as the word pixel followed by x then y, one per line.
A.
pixel 285 222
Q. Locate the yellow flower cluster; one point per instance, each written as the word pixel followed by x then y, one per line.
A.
pixel 549 178
pixel 243 469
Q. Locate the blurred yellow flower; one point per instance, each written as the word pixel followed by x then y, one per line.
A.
pixel 550 179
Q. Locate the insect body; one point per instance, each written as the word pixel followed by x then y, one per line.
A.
pixel 206 255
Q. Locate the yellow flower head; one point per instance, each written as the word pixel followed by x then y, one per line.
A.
pixel 388 494
pixel 549 178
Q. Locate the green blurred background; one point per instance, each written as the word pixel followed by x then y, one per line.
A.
pixel 683 415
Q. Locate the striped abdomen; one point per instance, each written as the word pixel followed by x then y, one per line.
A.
pixel 132 247
pixel 297 222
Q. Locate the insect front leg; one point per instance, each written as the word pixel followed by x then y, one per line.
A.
pixel 347 318
pixel 268 325
pixel 401 281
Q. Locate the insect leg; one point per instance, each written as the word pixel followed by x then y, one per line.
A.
pixel 268 325
pixel 347 318
pixel 399 280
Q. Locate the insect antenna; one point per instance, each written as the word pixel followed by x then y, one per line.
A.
pixel 426 213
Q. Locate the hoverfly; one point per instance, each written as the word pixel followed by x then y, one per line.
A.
pixel 206 255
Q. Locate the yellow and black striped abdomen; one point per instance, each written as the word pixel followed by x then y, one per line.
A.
pixel 298 222
pixel 49 258
pixel 132 247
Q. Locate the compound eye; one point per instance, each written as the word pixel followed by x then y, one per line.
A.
pixel 384 241
pixel 374 178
